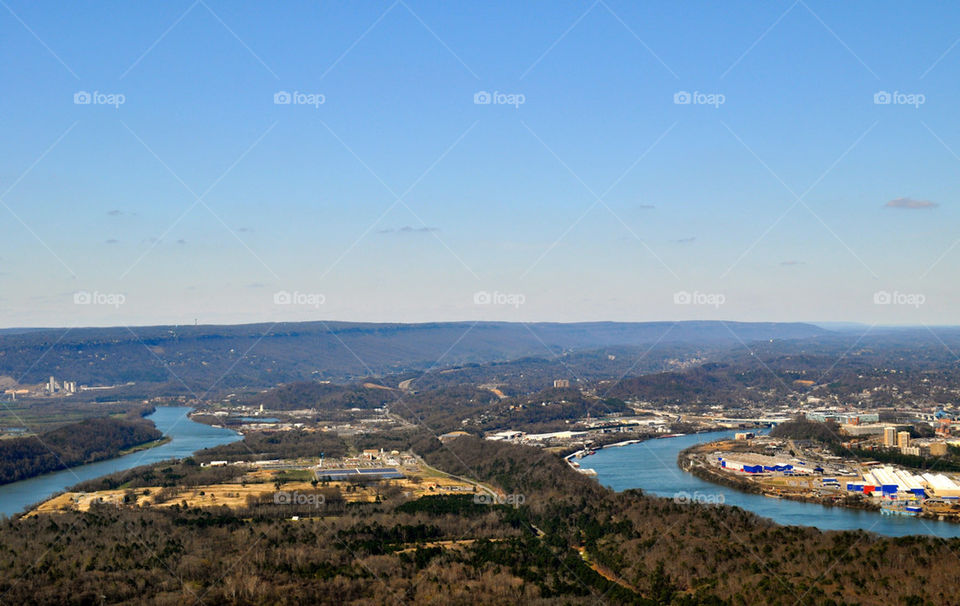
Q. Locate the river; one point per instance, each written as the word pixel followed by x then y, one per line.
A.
pixel 186 436
pixel 652 467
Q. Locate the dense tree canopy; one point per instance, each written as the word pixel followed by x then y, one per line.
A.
pixel 76 444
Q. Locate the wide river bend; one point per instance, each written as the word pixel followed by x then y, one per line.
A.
pixel 652 467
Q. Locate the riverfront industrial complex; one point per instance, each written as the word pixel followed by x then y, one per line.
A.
pixel 797 469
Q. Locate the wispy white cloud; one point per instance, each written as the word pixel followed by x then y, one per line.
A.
pixel 407 229
pixel 911 204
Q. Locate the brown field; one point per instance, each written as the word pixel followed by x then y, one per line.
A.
pixel 375 386
pixel 442 544
pixel 726 446
pixel 256 484
pixel 803 482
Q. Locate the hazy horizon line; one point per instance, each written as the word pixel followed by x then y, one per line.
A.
pixel 825 324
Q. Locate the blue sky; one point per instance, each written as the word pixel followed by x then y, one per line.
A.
pixel 399 198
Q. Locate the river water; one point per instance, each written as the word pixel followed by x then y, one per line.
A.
pixel 186 436
pixel 652 467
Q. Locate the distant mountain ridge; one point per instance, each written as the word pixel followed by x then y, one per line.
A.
pixel 267 354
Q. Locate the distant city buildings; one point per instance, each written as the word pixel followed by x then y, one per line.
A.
pixel 851 418
pixel 49 387
pixel 558 383
pixel 867 430
pixel 903 439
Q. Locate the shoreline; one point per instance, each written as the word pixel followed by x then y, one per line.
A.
pixel 589 450
pixel 141 447
pixel 18 497
pixel 690 460
pixel 122 453
pixel 133 449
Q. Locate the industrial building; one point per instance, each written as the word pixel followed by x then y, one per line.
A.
pixel 852 418
pixel 880 481
pixel 53 386
pixel 941 485
pixel 869 429
pixel 508 434
pixel 749 462
pixel 889 481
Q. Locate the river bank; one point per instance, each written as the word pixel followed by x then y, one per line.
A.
pixel 73 445
pixel 652 467
pixel 617 441
pixel 182 438
pixel 691 460
pixel 812 488
pixel 145 446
